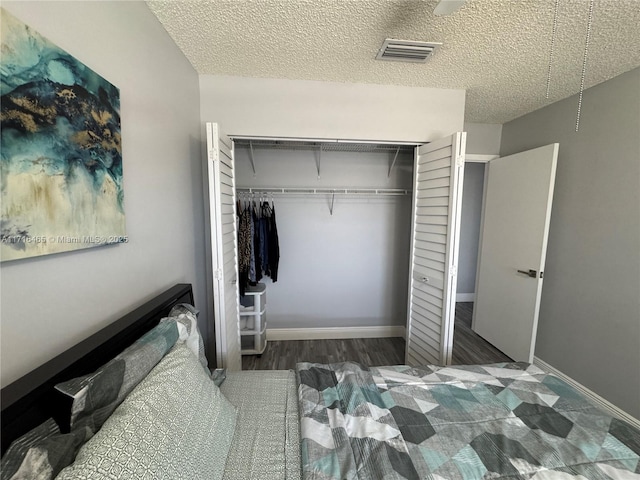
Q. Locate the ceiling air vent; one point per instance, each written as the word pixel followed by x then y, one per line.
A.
pixel 406 50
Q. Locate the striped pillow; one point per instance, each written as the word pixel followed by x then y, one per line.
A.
pixel 96 396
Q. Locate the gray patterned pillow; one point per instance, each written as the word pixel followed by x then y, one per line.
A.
pixel 41 453
pixel 175 424
pixel 97 395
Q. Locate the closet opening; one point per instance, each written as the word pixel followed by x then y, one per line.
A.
pixel 343 213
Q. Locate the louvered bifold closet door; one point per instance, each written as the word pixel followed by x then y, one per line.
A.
pixel 222 208
pixel 438 176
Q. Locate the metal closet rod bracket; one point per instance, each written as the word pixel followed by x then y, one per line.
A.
pixel 251 159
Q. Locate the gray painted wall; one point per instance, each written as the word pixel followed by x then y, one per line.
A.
pixel 310 109
pixel 50 303
pixel 589 325
pixel 483 138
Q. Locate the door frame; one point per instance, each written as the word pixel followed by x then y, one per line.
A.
pixel 487 159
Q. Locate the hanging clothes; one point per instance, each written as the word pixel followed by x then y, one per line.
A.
pixel 265 215
pixel 258 244
pixel 273 245
pixel 252 246
pixel 244 248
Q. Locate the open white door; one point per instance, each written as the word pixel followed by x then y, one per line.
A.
pixel 222 218
pixel 438 177
pixel 513 247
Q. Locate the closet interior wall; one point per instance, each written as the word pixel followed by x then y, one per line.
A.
pixel 348 268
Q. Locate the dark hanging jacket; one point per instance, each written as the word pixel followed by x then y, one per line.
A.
pixel 274 245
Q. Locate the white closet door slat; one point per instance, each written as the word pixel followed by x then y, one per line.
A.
pixel 432 175
pixel 427 329
pixel 426 209
pixel 429 337
pixel 432 219
pixel 435 309
pixel 431 264
pixel 428 245
pixel 227 209
pixel 226 190
pixel 434 165
pixel 438 175
pixel 431 255
pixel 434 192
pixel 432 153
pixel 430 237
pixel 434 183
pixel 435 229
pixel 436 201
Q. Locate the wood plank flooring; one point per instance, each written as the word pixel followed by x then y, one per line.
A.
pixel 468 348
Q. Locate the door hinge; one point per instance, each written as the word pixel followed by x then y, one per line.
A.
pixel 217 274
pixel 459 160
pixel 453 270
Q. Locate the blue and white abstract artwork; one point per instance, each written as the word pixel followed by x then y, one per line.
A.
pixel 61 155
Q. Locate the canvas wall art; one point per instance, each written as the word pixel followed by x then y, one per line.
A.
pixel 61 155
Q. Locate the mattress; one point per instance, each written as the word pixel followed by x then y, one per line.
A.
pixel 266 442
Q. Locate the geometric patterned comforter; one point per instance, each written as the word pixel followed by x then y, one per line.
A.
pixel 509 420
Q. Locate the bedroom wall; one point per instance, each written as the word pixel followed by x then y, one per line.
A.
pixel 483 138
pixel 50 303
pixel 589 326
pixel 349 269
pixel 311 109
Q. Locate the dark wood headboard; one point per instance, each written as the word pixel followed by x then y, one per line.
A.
pixel 31 400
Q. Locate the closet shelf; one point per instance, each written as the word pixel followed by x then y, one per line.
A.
pixel 325 145
pixel 248 311
pixel 253 331
pixel 324 191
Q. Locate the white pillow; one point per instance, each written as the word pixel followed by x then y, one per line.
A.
pixel 186 317
pixel 175 424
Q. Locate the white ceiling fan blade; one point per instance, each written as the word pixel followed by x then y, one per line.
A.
pixel 446 7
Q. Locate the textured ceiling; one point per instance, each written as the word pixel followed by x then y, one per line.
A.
pixel 497 50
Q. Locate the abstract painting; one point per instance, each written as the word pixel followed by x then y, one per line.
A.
pixel 61 155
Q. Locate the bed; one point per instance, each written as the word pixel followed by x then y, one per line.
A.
pixel 136 400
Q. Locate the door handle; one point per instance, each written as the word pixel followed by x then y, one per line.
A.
pixel 530 273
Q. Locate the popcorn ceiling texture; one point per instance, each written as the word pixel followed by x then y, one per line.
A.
pixel 496 50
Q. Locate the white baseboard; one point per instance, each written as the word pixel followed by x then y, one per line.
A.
pixel 592 396
pixel 465 297
pixel 334 333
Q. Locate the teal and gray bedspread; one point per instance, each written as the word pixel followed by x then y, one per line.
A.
pixel 494 421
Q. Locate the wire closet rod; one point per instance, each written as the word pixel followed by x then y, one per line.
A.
pixel 324 191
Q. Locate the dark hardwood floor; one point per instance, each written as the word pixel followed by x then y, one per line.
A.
pixel 468 348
